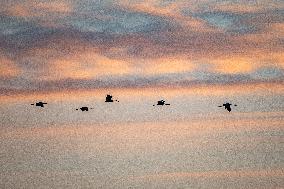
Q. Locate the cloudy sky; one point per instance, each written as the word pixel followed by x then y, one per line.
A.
pixel 83 44
pixel 194 54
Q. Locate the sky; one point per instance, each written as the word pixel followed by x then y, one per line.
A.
pixel 194 54
pixel 89 44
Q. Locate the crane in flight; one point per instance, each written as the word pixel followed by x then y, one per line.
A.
pixel 161 103
pixel 41 104
pixel 227 106
pixel 109 98
pixel 84 108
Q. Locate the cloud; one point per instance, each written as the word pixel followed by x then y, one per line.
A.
pixel 248 6
pixel 8 68
pixel 233 65
pixel 167 65
pixel 86 66
pixel 37 8
pixel 239 22
pixel 172 10
pixel 142 43
pixel 93 17
pixel 268 73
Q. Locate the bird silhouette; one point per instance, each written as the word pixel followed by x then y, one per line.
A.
pixel 109 98
pixel 41 104
pixel 161 103
pixel 84 108
pixel 227 106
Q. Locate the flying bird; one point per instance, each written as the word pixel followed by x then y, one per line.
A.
pixel 227 106
pixel 41 104
pixel 109 98
pixel 84 108
pixel 161 103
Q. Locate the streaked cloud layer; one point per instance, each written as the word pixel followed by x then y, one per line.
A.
pixel 55 44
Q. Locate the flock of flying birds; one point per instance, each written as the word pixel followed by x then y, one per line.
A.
pixel 226 105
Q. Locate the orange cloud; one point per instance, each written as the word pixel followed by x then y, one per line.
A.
pixel 55 6
pixel 166 65
pixel 248 7
pixel 85 66
pixel 277 58
pixel 247 62
pixel 151 6
pixel 19 11
pixel 148 92
pixel 234 65
pixel 7 67
pixel 30 8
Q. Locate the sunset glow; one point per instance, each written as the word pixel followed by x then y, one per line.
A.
pixel 195 56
